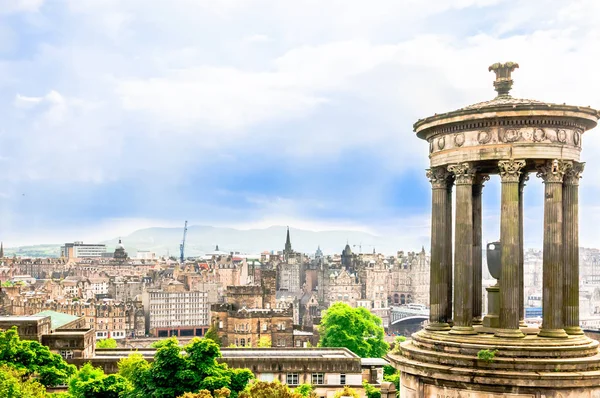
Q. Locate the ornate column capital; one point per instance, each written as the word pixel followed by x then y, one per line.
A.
pixel 439 177
pixel 553 171
pixel 464 173
pixel 510 170
pixel 573 174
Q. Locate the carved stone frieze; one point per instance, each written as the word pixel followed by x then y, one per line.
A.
pixel 459 139
pixel 553 171
pixel 484 136
pixel 464 173
pixel 509 135
pixel 441 142
pixel 569 137
pixel 510 170
pixel 573 174
pixel 439 177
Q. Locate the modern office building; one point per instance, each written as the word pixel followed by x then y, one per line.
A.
pixel 82 250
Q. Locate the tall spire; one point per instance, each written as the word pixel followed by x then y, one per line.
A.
pixel 1 249
pixel 288 242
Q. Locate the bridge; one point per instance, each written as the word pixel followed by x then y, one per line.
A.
pixel 408 313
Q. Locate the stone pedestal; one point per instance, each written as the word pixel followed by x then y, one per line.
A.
pixel 492 318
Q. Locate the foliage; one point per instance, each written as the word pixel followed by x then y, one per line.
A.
pixel 34 358
pixel 266 389
pixel 12 384
pixel 392 375
pixel 306 390
pixel 397 341
pixel 371 391
pixel 174 373
pixel 90 382
pixel 212 334
pixel 354 328
pixel 106 343
pixel 346 392
pixel 199 394
pixel 487 355
pixel 264 342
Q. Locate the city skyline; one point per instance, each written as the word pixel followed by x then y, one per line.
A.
pixel 119 116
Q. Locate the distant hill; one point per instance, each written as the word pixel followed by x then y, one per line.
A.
pixel 203 239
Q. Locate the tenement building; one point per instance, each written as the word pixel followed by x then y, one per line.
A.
pixel 250 316
pixel 459 353
pixel 174 311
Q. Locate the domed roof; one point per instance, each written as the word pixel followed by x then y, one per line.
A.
pixel 347 250
pixel 505 105
pixel 120 245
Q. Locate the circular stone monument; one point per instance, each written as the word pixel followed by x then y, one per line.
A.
pixel 458 355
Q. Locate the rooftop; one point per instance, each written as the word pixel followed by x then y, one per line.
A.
pixel 287 353
pixel 58 319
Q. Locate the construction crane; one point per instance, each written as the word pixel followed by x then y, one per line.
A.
pixel 182 245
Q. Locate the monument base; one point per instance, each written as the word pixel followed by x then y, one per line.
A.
pixel 438 364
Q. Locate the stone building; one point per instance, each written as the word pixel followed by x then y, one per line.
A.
pixel 174 311
pixel 344 287
pixel 410 279
pixel 250 313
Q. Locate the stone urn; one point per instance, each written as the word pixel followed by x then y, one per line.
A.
pixel 494 259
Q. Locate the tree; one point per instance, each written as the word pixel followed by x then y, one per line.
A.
pixel 12 384
pixel 354 328
pixel 90 382
pixel 346 392
pixel 370 391
pixel 265 389
pixel 306 390
pixel 172 373
pixel 264 342
pixel 212 334
pixel 33 358
pixel 106 343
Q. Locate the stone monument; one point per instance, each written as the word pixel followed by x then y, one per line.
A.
pixel 456 355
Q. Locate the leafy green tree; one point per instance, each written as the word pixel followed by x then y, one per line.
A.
pixel 265 389
pixel 264 342
pixel 212 334
pixel 392 375
pixel 106 343
pixel 34 358
pixel 306 390
pixel 90 382
pixel 346 392
pixel 354 328
pixel 172 373
pixel 370 391
pixel 13 385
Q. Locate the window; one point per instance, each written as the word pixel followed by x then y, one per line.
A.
pixel 220 324
pixel 292 379
pixel 343 379
pixel 317 378
pixel 264 327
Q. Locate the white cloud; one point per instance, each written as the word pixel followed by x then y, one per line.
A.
pixel 14 6
pixel 155 92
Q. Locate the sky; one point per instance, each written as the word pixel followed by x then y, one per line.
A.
pixel 118 115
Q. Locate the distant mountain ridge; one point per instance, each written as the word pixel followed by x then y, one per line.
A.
pixel 203 239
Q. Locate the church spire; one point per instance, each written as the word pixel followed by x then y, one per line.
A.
pixel 288 242
pixel 1 249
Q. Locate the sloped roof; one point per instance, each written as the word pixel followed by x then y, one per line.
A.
pixel 57 319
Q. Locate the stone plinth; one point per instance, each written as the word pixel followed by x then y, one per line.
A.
pixel 492 318
pixel 438 364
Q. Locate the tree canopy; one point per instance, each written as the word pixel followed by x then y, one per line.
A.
pixel 13 385
pixel 354 328
pixel 106 343
pixel 174 373
pixel 265 389
pixel 34 359
pixel 90 382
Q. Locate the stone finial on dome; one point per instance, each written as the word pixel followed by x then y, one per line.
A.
pixel 503 82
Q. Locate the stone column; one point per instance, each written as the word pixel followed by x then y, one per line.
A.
pixel 524 178
pixel 552 173
pixel 571 249
pixel 477 253
pixel 448 269
pixel 438 275
pixel 464 174
pixel 510 173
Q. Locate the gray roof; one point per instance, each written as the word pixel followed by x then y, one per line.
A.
pixel 373 362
